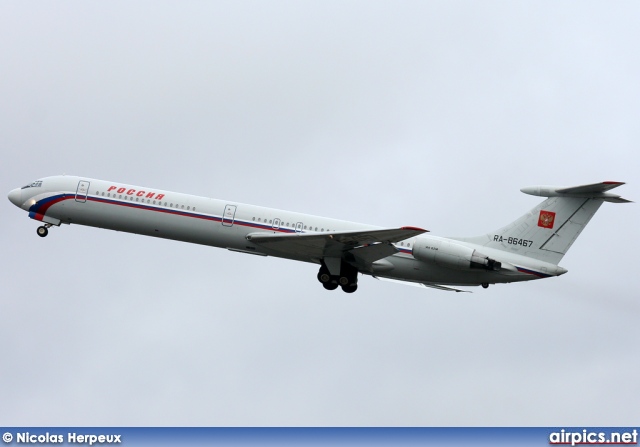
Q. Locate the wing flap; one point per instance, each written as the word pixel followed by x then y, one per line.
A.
pixel 368 254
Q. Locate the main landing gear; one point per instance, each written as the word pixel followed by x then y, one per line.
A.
pixel 43 230
pixel 485 285
pixel 347 279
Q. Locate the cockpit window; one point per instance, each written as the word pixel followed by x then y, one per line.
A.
pixel 36 184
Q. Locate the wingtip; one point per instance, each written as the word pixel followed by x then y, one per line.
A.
pixel 415 229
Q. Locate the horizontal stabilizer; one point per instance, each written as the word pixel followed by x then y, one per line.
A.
pixel 616 200
pixel 591 191
pixel 591 188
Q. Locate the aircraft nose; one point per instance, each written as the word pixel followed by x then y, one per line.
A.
pixel 15 196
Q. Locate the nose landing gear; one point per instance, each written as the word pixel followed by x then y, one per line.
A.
pixel 43 230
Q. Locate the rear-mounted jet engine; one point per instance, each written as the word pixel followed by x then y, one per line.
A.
pixel 452 255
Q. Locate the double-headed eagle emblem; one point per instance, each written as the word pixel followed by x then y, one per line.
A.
pixel 546 219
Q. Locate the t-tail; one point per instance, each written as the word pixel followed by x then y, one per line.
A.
pixel 548 230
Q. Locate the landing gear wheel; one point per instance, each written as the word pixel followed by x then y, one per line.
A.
pixel 42 231
pixel 347 279
pixel 485 285
pixel 350 289
pixel 324 277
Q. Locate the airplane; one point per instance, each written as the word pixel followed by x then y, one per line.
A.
pixel 528 248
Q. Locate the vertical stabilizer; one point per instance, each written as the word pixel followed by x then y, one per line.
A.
pixel 548 230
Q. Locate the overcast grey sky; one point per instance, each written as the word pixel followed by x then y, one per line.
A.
pixel 431 114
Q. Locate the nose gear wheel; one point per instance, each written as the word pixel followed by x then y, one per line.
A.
pixel 43 230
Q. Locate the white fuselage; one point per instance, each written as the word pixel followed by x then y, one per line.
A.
pixel 226 224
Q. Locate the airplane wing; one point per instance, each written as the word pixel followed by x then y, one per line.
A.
pixel 448 289
pixel 422 284
pixel 366 246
